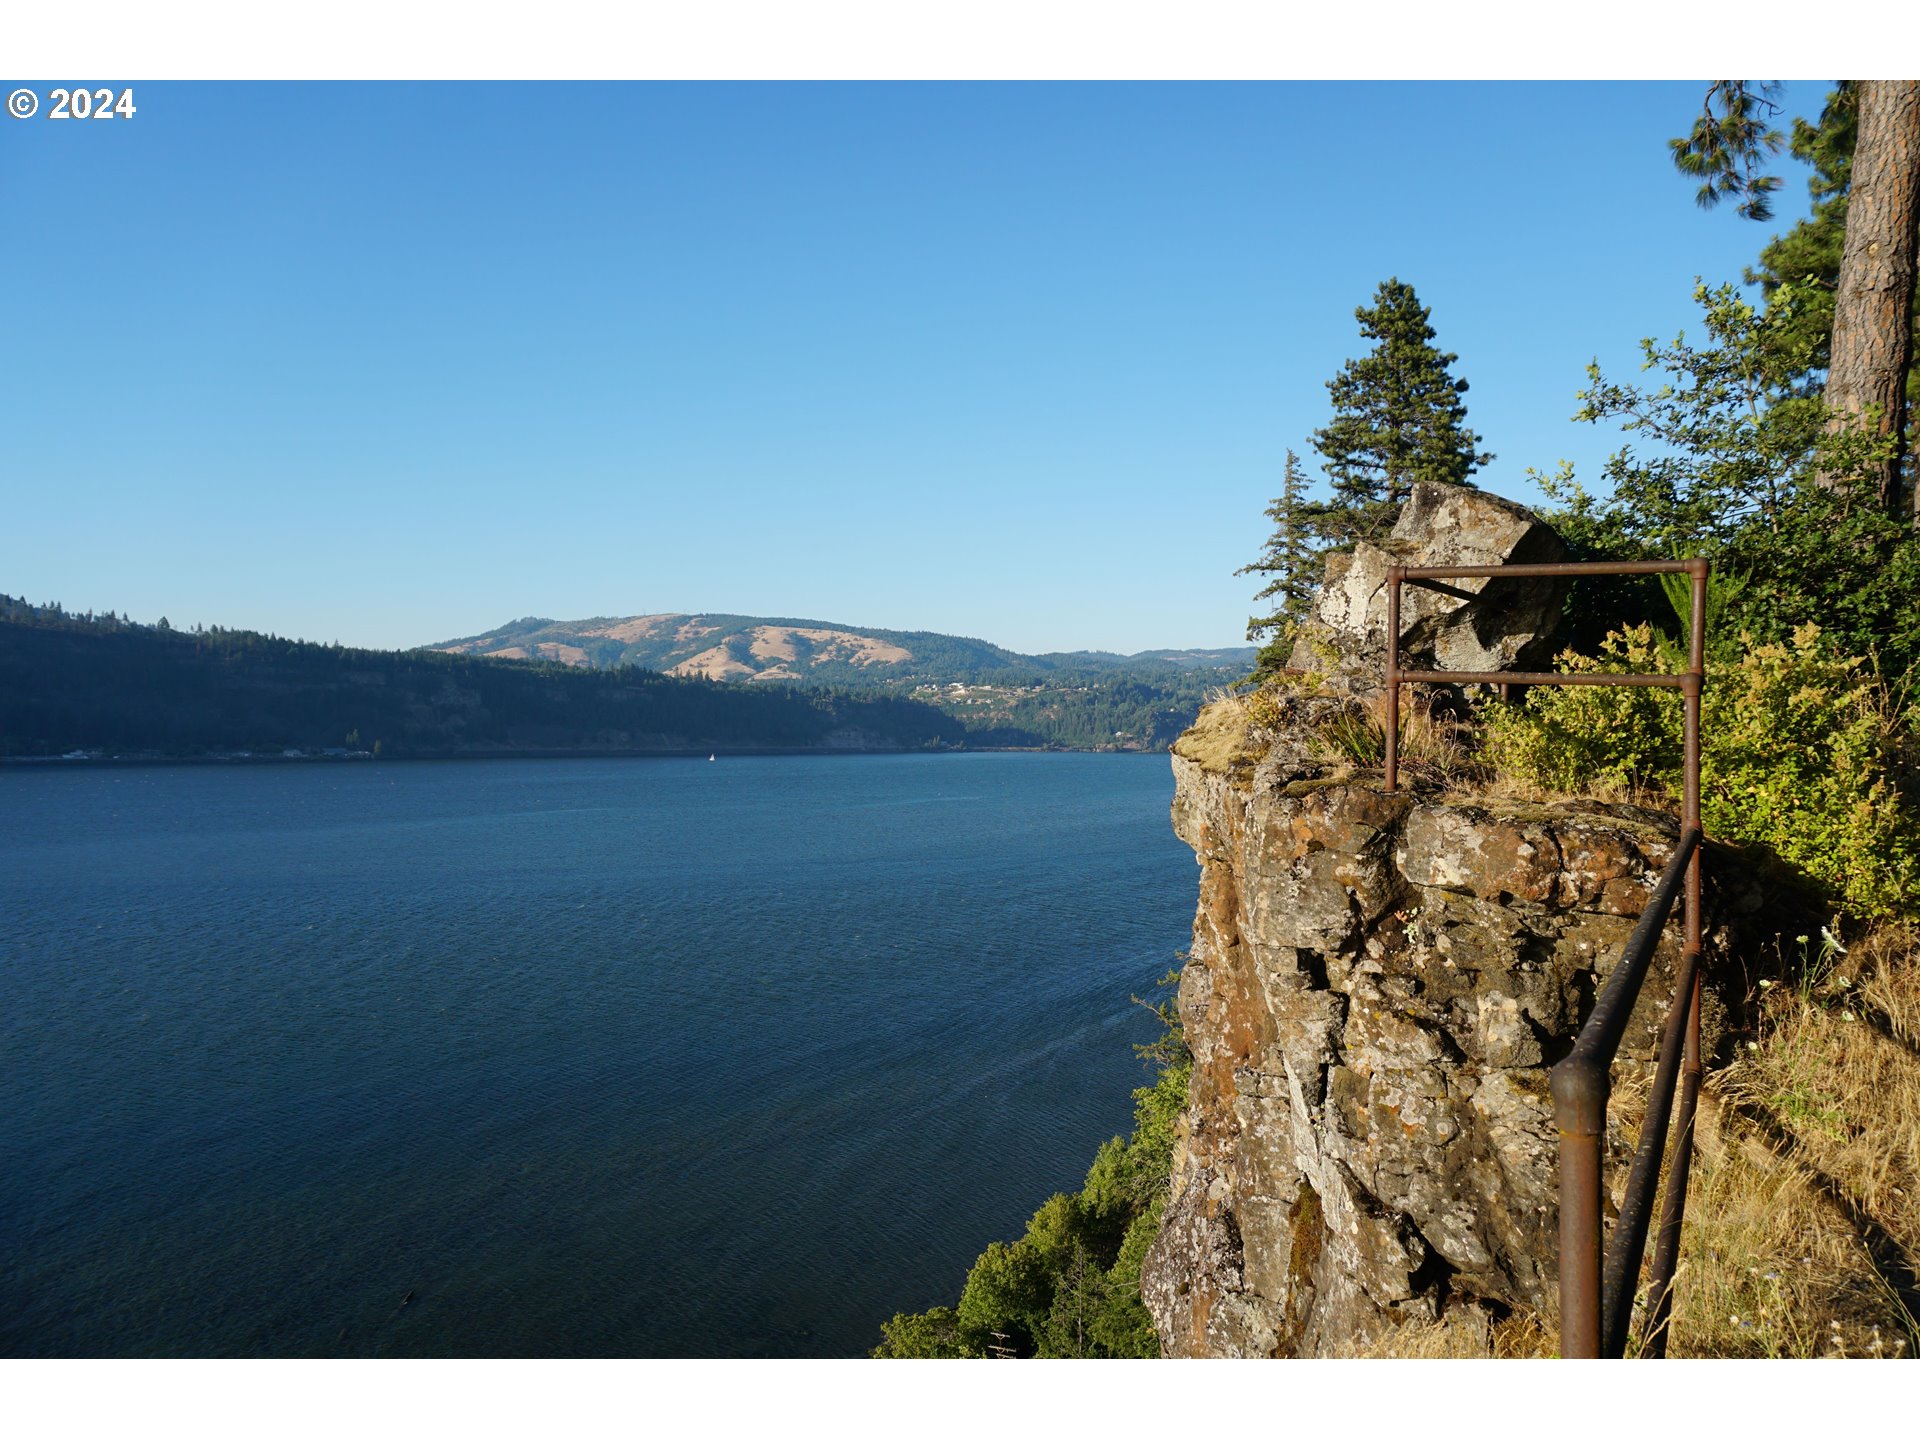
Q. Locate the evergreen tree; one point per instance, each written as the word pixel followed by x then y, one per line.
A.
pixel 1293 561
pixel 1398 419
pixel 1856 256
pixel 1806 260
pixel 1871 348
pixel 1729 145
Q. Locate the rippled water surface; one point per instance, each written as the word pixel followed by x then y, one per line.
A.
pixel 575 1057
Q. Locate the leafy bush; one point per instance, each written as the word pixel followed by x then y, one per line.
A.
pixel 1584 738
pixel 1804 751
pixel 1070 1286
pixel 1742 466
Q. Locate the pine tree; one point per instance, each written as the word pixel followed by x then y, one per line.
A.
pixel 1398 419
pixel 1872 343
pixel 1293 560
pixel 1866 150
pixel 1806 259
pixel 1728 147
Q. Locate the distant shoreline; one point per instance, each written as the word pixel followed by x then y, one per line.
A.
pixel 125 762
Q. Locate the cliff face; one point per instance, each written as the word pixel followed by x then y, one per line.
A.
pixel 1377 987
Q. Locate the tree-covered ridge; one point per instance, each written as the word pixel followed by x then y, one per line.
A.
pixel 74 681
pixel 101 683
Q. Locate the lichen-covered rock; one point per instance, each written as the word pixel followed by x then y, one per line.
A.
pixel 1509 625
pixel 1375 991
pixel 1377 987
pixel 1379 984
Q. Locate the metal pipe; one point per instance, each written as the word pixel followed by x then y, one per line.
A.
pixel 1673 1203
pixel 1690 799
pixel 1600 1036
pixel 1581 1117
pixel 1636 1206
pixel 1593 1308
pixel 1581 1086
pixel 1556 567
pixel 1393 678
pixel 1534 677
pixel 1683 1031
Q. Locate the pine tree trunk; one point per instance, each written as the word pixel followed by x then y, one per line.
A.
pixel 1872 332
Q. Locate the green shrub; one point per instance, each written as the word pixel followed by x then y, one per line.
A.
pixel 1803 752
pixel 1070 1286
pixel 1583 738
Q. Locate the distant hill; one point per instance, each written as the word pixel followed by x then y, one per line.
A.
pixel 756 648
pixel 102 685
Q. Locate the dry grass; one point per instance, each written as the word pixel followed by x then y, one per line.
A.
pixel 1888 980
pixel 1771 1268
pixel 1462 1333
pixel 1824 1124
pixel 1482 782
pixel 1218 736
pixel 1802 1224
pixel 1840 1075
pixel 1430 742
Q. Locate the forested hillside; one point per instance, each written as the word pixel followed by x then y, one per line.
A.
pixel 100 683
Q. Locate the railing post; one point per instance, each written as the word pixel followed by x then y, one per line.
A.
pixel 1393 678
pixel 1695 682
pixel 1580 1114
pixel 1666 1253
pixel 1673 1201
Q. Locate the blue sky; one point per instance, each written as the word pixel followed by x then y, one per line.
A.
pixel 389 364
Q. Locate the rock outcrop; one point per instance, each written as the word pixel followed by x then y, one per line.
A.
pixel 1508 626
pixel 1377 987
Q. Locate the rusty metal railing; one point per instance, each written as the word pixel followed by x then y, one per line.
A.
pixel 1597 1282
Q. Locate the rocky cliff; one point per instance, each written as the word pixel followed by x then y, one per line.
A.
pixel 1377 986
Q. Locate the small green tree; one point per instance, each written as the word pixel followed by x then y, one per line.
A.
pixel 1398 419
pixel 1293 562
pixel 930 1335
pixel 1009 1290
pixel 1745 469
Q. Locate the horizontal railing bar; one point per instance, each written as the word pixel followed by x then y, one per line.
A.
pixel 1558 567
pixel 1524 677
pixel 1636 1206
pixel 1600 1036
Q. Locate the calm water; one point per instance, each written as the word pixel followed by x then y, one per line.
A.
pixel 587 1057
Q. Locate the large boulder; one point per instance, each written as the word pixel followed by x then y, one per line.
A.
pixel 1507 626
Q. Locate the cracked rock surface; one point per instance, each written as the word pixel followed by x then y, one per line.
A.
pixel 1377 987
